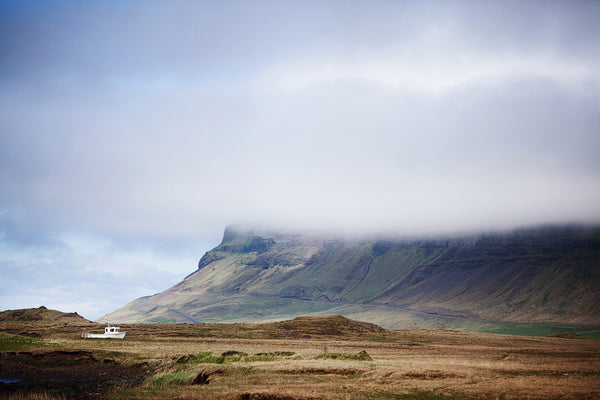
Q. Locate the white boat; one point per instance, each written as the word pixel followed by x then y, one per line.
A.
pixel 110 332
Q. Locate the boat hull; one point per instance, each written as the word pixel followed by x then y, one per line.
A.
pixel 116 335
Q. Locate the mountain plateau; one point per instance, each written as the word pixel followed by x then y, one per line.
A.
pixel 487 282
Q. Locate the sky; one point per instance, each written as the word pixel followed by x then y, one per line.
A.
pixel 133 132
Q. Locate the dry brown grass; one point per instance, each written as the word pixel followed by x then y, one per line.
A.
pixel 409 364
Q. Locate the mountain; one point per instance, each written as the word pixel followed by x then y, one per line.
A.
pixel 544 275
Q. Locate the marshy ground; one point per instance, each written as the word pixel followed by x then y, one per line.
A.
pixel 308 358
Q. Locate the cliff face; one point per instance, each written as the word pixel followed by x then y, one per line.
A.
pixel 544 275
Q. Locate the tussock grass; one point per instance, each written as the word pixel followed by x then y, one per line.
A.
pixel 172 378
pixel 208 357
pixel 360 356
pixel 446 365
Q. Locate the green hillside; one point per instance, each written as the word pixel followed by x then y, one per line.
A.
pixel 485 282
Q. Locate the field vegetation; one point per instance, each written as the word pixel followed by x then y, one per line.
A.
pixel 327 357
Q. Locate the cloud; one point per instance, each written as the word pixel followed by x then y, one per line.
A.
pixel 133 133
pixel 90 293
pixel 91 275
pixel 431 75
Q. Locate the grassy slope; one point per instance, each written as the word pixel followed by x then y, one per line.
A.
pixel 512 283
pixel 475 283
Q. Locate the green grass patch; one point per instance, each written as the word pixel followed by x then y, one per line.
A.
pixel 208 357
pixel 172 378
pixel 262 357
pixel 10 342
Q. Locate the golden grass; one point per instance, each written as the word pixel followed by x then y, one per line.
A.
pixel 408 364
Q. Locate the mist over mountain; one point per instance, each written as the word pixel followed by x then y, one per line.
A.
pixel 545 275
pixel 127 147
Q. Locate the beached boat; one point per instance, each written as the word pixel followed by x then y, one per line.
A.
pixel 110 332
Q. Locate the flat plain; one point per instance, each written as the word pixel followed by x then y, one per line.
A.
pixel 327 357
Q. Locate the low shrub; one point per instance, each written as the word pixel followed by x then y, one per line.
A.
pixel 360 356
pixel 230 353
pixel 277 354
pixel 208 357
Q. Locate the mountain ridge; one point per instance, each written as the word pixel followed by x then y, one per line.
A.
pixel 539 275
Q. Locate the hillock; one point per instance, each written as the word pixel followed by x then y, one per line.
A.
pixel 41 315
pixel 319 326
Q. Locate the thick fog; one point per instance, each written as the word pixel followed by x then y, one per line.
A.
pixel 132 133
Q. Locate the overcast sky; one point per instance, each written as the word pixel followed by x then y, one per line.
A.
pixel 133 132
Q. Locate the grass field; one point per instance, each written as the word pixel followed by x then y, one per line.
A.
pixel 308 358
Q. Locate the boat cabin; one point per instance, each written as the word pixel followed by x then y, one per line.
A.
pixel 110 332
